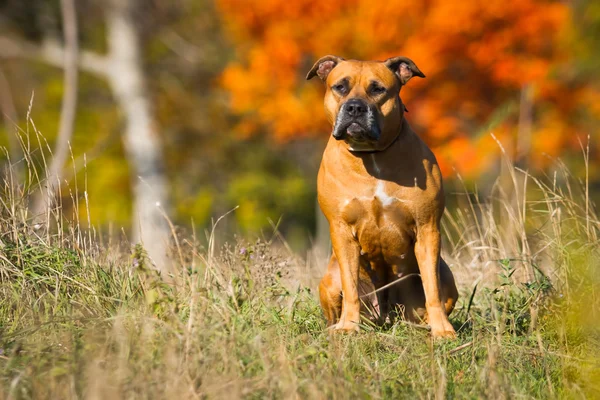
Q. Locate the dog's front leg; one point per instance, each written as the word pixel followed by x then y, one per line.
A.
pixel 347 251
pixel 427 251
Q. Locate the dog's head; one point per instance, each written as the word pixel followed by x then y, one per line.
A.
pixel 362 99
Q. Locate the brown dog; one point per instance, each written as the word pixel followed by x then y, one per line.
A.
pixel 380 188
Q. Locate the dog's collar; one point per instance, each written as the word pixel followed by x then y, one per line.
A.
pixel 385 148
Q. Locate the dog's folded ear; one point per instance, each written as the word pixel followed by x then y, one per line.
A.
pixel 404 68
pixel 323 67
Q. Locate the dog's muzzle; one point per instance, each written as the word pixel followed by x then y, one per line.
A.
pixel 356 122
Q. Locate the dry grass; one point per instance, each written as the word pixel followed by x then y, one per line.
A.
pixel 85 315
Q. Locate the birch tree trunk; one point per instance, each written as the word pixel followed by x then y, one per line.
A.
pixel 140 137
pixel 67 112
pixel 122 68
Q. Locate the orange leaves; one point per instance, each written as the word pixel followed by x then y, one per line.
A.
pixel 477 56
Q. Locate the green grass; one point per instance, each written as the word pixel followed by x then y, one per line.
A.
pixel 75 328
pixel 79 319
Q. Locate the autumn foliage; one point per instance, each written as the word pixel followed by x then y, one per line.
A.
pixel 479 57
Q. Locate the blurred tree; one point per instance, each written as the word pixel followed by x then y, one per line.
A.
pixel 67 114
pixel 182 51
pixel 224 81
pixel 485 60
pixel 122 68
pixel 141 141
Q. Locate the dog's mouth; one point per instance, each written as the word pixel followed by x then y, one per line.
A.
pixel 357 130
pixel 357 135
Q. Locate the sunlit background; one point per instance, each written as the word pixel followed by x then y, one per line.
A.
pixel 129 128
pixel 237 125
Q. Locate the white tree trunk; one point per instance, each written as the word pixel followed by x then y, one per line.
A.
pixel 122 67
pixel 67 113
pixel 141 141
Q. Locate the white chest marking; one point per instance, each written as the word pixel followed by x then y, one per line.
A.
pixel 385 199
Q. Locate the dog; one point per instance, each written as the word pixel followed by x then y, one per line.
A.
pixel 380 188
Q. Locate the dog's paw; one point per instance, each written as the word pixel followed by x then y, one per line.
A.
pixel 344 327
pixel 441 327
pixel 444 334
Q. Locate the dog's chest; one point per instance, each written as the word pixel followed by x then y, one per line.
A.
pixel 382 224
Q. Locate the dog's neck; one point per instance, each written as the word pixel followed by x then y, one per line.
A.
pixel 397 152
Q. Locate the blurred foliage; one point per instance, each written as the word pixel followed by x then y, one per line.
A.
pixel 241 127
pixel 477 55
pixel 266 197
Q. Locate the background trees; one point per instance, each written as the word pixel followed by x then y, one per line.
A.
pixel 483 60
pixel 231 120
pixel 121 68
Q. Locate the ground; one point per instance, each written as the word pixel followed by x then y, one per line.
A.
pixel 82 318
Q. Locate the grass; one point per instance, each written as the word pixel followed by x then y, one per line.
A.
pixel 84 318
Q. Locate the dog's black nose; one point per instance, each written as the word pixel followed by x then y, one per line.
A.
pixel 355 107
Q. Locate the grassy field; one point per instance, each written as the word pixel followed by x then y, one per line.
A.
pixel 87 316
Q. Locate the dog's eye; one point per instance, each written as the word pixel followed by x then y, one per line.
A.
pixel 340 88
pixel 376 89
